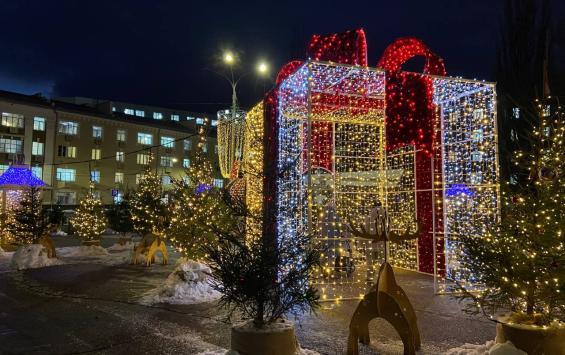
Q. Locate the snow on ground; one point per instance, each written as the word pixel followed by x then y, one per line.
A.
pixel 300 351
pixel 82 251
pixel 59 233
pixel 489 348
pixel 119 247
pixel 31 257
pixel 189 283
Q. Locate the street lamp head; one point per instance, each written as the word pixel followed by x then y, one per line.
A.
pixel 229 58
pixel 262 68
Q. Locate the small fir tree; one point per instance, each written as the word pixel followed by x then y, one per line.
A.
pixel 148 209
pixel 89 220
pixel 520 262
pixel 28 222
pixel 119 216
pixel 263 278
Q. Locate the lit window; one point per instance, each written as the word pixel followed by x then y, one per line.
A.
pixel 119 197
pixel 3 168
pixel 168 142
pixel 167 161
pixel 12 120
pixel 9 145
pixel 513 179
pixel 121 135
pixel 37 171
pixel 96 154
pixel 36 148
pixel 96 132
pixel 546 110
pixel 65 197
pixel 175 118
pixel 145 138
pixel 39 124
pixel 119 178
pixel 186 163
pixel 205 147
pixel 143 158
pixel 547 131
pixel 96 194
pixel 66 174
pixel 129 111
pixel 120 156
pixel 219 183
pixel 187 144
pixel 95 176
pixel 68 127
pixel 165 180
pixel 113 108
pixel 140 113
pixel 214 123
pixel 516 113
pixel 199 120
pixel 66 151
pixel 157 115
pixel 138 178
pixel 189 118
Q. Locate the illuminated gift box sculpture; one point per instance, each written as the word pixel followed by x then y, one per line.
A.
pixel 341 137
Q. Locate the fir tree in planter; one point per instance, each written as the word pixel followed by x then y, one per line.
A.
pixel 263 279
pixel 520 262
pixel 89 220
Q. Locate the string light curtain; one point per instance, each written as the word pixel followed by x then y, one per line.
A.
pixel 231 133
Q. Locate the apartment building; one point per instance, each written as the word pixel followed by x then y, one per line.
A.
pixel 71 145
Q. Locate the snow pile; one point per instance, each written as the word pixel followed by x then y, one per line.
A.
pixel 82 251
pixel 31 257
pixel 120 247
pixel 489 348
pixel 189 283
pixel 299 351
pixel 59 233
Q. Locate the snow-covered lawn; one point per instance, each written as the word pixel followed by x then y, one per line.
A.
pixel 189 283
pixel 300 351
pixel 35 256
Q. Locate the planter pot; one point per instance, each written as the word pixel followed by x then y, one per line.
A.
pixel 91 242
pixel 274 339
pixel 533 340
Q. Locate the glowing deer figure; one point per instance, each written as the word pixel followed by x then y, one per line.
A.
pixel 385 299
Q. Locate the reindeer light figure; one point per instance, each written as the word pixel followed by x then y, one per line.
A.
pixel 385 299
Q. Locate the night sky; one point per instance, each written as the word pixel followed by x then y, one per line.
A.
pixel 159 52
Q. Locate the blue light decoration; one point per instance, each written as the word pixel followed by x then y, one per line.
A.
pixel 459 189
pixel 19 176
pixel 201 188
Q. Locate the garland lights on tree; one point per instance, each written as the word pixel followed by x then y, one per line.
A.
pixel 195 209
pixel 27 222
pixel 89 220
pixel 521 260
pixel 148 210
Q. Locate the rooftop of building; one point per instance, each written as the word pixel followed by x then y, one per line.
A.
pixel 104 111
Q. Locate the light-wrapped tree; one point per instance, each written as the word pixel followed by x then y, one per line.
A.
pixel 520 262
pixel 89 220
pixel 27 223
pixel 148 210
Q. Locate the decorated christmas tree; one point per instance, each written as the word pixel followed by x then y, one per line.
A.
pixel 520 262
pixel 148 210
pixel 89 220
pixel 27 223
pixel 196 209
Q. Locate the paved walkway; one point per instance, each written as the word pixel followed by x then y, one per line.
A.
pixel 93 308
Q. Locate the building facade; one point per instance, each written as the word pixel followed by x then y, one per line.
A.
pixel 72 144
